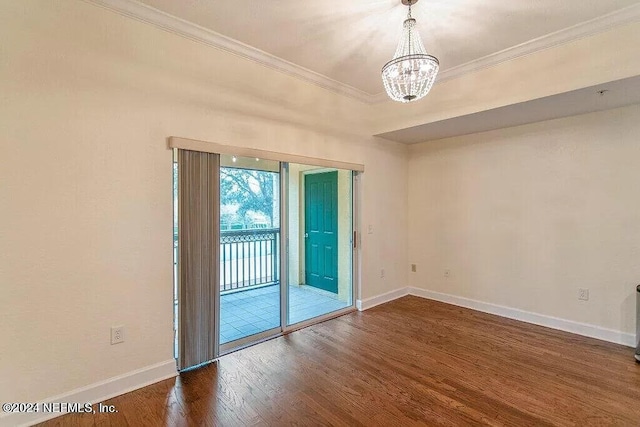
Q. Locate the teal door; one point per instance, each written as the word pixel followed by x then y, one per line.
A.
pixel 321 230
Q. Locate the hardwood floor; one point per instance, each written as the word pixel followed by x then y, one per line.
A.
pixel 408 362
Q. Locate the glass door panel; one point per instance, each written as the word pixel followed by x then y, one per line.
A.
pixel 320 234
pixel 249 250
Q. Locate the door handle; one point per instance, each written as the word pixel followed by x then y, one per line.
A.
pixel 306 235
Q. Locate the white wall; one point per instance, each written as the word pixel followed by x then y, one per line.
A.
pixel 89 98
pixel 523 217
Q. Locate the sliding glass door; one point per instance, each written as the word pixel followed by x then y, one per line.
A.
pixel 278 252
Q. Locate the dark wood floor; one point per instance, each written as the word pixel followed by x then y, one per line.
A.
pixel 409 362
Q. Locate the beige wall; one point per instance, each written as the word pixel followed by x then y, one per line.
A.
pixel 296 194
pixel 523 217
pixel 344 235
pixel 88 100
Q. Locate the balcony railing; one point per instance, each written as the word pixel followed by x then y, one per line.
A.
pixel 248 258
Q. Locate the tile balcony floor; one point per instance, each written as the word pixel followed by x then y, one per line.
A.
pixel 249 312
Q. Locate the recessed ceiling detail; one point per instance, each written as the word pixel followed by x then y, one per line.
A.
pixel 616 94
pixel 342 49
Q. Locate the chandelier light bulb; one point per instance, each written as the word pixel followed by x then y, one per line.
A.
pixel 411 73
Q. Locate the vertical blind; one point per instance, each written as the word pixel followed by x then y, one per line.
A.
pixel 198 246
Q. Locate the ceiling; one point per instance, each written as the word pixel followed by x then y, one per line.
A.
pixel 350 41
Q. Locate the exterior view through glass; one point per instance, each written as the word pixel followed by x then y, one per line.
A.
pixel 249 247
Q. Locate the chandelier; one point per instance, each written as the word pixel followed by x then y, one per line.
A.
pixel 411 73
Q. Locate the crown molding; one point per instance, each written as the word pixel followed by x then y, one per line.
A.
pixel 167 22
pixel 566 35
pixel 181 27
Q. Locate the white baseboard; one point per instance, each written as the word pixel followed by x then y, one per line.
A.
pixel 381 299
pixel 97 392
pixel 579 328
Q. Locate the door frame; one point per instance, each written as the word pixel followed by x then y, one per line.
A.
pixel 356 244
pixel 250 340
pixel 284 245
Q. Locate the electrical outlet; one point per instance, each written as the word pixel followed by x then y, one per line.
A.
pixel 382 273
pixel 117 334
pixel 370 230
pixel 583 294
pixel 413 268
pixel 447 273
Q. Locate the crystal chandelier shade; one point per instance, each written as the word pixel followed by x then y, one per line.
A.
pixel 409 76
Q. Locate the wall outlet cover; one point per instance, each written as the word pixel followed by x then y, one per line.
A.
pixel 117 334
pixel 583 294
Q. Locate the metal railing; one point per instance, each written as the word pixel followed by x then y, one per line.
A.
pixel 248 258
